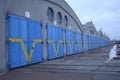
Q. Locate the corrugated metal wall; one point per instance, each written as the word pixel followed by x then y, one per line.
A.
pixel 24 41
pixel 70 42
pixel 55 42
pixel 79 42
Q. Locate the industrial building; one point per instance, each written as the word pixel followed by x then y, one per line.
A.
pixel 33 31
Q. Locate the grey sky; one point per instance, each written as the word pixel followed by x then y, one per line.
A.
pixel 105 14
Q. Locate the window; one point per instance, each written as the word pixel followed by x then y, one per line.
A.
pixel 50 14
pixel 65 21
pixel 59 18
pixel 92 32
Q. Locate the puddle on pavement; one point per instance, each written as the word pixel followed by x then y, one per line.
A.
pixel 114 53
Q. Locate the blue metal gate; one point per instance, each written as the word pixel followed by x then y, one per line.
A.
pixel 55 42
pixel 91 43
pixel 87 42
pixel 70 42
pixel 24 41
pixel 79 42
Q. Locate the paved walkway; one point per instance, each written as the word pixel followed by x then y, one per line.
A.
pixel 84 66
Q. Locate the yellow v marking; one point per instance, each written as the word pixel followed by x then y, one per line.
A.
pixel 56 49
pixel 71 45
pixel 28 57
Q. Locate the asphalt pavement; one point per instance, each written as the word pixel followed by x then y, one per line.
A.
pixel 90 65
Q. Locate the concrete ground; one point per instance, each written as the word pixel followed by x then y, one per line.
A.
pixel 91 65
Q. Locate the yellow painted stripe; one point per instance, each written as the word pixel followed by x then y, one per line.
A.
pixel 25 51
pixel 70 45
pixel 23 46
pixel 58 46
pixel 15 40
pixel 37 41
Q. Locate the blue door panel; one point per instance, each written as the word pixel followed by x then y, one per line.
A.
pixel 13 28
pixel 25 31
pixel 35 33
pixel 91 42
pixel 22 29
pixel 79 40
pixel 51 53
pixel 70 40
pixel 50 36
pixel 61 51
pixel 87 42
pixel 16 55
pixel 55 34
pixel 37 54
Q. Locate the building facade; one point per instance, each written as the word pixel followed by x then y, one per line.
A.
pixel 34 31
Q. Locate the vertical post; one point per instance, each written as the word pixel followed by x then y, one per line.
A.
pixel 44 38
pixel 64 43
pixel 4 44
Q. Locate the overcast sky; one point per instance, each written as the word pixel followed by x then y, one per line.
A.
pixel 105 14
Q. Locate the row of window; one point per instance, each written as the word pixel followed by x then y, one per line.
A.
pixel 50 14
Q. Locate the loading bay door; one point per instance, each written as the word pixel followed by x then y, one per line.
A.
pixel 24 41
pixel 55 42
